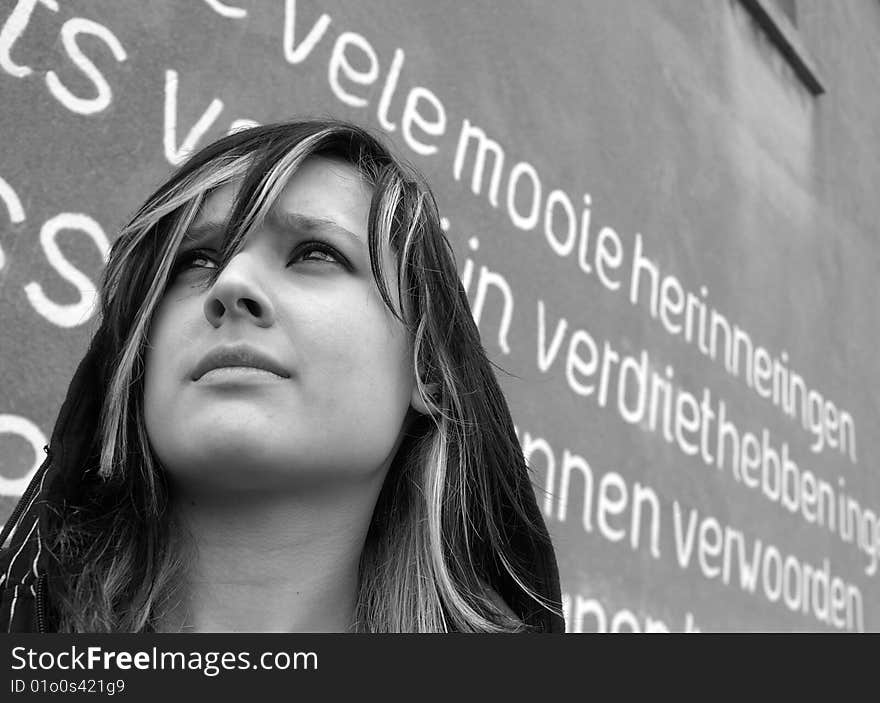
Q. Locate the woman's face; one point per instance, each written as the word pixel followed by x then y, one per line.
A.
pixel 333 404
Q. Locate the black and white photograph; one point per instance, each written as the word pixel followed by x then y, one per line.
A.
pixel 439 317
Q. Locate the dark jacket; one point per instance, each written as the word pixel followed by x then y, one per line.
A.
pixel 25 565
pixel 26 569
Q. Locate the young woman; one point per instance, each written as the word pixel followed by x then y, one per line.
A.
pixel 286 421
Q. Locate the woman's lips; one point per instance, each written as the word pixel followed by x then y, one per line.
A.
pixel 240 356
pixel 237 373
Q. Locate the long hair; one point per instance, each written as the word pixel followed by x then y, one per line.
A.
pixel 454 523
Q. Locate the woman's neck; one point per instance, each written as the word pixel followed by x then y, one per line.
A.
pixel 272 562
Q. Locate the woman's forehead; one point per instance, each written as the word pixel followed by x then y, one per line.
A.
pixel 321 188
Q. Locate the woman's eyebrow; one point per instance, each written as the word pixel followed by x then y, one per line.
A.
pixel 283 220
pixel 204 232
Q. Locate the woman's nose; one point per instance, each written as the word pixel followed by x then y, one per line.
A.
pixel 238 294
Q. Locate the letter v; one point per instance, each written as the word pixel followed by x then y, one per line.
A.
pixel 545 358
pixel 298 54
pixel 175 155
pixel 684 548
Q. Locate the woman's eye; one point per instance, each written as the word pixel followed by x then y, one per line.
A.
pixel 202 259
pixel 325 251
pixel 197 258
